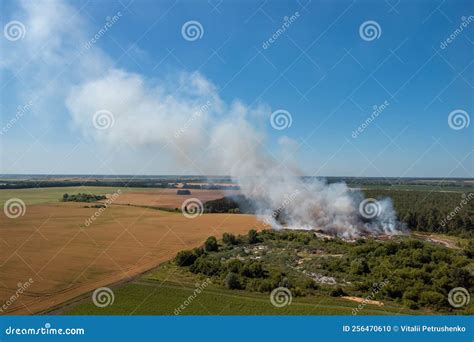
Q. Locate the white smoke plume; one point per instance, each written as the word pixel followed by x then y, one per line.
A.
pixel 183 116
pixel 222 140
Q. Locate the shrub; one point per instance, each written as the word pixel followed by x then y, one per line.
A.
pixel 337 292
pixel 229 239
pixel 253 269
pixel 253 236
pixel 232 281
pixel 207 266
pixel 310 284
pixel 185 258
pixel 235 266
pixel 211 244
pixel 432 299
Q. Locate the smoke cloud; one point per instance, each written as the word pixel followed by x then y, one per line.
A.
pixel 222 140
pixel 183 115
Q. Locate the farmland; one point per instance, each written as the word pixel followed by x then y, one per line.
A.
pixel 328 277
pixel 51 244
pixel 67 257
pixel 162 291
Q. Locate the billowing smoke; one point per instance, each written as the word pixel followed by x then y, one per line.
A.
pixel 188 119
pixel 183 116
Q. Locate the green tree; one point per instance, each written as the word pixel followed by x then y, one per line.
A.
pixel 253 236
pixel 229 239
pixel 211 244
pixel 185 258
pixel 232 281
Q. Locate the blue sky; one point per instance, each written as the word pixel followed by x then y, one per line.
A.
pixel 319 70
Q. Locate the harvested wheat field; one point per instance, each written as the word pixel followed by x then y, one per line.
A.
pixel 167 198
pixel 52 245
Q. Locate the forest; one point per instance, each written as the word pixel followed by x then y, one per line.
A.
pixel 408 271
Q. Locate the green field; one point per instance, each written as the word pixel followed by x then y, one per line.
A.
pixel 163 290
pixel 49 195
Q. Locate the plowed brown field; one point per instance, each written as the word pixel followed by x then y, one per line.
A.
pixel 52 245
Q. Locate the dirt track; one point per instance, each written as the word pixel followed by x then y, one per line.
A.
pixel 51 245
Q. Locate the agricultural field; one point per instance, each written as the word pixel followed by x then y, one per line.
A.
pixel 164 290
pixel 53 245
pixel 238 275
pixel 130 247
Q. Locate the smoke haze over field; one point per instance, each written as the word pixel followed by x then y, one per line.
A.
pixel 183 116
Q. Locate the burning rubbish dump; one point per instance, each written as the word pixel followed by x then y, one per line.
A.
pixel 329 208
pixel 233 146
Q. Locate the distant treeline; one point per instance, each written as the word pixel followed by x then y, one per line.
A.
pixel 212 182
pixel 83 198
pixel 441 212
pixel 115 183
